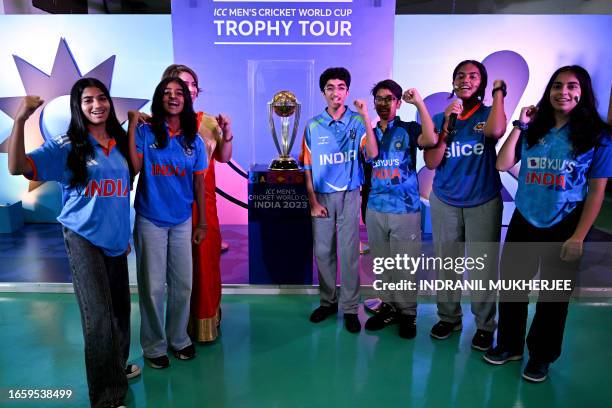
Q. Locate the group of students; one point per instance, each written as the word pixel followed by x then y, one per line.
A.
pixel 176 231
pixel 565 151
pixel 96 162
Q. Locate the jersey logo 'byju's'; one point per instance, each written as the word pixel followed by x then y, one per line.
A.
pixel 544 163
pixel 552 174
pixel 385 163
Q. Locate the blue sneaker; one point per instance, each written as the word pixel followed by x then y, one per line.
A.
pixel 499 356
pixel 535 371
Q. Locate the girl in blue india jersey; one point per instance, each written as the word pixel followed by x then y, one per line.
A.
pixel 566 158
pixel 91 163
pixel 466 205
pixel 171 159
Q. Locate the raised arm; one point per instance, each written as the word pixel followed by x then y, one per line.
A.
pixel 223 151
pixel 136 158
pixel 433 157
pixel 506 157
pixel 495 127
pixel 18 162
pixel 428 136
pixel 371 144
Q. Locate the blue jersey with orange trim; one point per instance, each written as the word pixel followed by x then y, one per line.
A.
pixel 99 211
pixel 330 150
pixel 552 181
pixel 466 176
pixel 395 188
pixel 165 186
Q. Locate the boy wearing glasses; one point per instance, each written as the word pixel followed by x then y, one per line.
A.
pixel 334 174
pixel 394 206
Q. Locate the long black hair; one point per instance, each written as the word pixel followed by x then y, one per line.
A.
pixel 480 92
pixel 585 124
pixel 158 117
pixel 82 149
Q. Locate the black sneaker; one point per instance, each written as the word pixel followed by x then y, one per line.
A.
pixel 535 372
pixel 132 371
pixel 158 362
pixel 351 322
pixel 407 326
pixel 382 320
pixel 185 354
pixel 323 312
pixel 499 356
pixel 482 340
pixel 442 330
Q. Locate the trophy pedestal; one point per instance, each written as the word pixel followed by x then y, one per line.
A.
pixel 284 163
pixel 280 228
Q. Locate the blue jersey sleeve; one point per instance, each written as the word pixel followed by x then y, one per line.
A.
pixel 201 161
pixel 49 160
pixel 601 167
pixel 305 155
pixel 361 128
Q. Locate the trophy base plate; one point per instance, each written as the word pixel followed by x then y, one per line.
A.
pixel 284 164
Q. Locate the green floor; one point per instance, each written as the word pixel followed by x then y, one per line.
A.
pixel 270 356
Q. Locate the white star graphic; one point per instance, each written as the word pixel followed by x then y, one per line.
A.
pixel 64 74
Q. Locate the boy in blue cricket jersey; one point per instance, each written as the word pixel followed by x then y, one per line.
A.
pixel 565 151
pixel 394 205
pixel 171 159
pixel 466 204
pixel 91 163
pixel 330 155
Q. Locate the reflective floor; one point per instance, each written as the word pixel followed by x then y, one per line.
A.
pixel 36 254
pixel 270 355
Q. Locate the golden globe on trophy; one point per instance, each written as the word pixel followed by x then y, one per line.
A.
pixel 284 104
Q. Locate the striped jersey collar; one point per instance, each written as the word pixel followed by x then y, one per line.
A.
pixel 328 120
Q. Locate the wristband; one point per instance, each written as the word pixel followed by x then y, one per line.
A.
pixel 518 124
pixel 500 88
pixel 228 140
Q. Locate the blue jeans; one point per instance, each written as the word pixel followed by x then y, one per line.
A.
pixel 102 290
pixel 163 255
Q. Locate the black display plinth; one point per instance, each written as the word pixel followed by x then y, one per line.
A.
pixel 280 230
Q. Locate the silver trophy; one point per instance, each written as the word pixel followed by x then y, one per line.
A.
pixel 285 105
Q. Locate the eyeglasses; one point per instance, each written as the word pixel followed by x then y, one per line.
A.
pixel 330 89
pixel 387 100
pixel 462 75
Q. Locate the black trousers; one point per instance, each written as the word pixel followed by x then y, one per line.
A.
pixel 527 249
